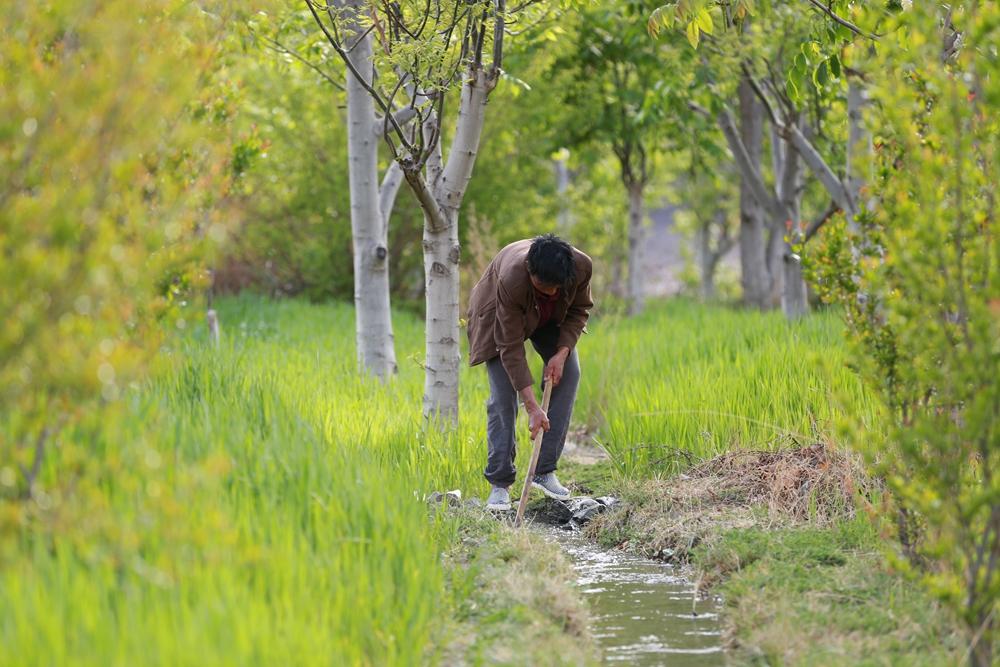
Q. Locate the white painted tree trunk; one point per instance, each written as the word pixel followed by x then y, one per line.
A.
pixel 373 320
pixel 442 251
pixel 753 251
pixel 442 360
pixel 636 238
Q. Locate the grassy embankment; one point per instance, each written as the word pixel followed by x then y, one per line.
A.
pixel 260 503
pixel 684 391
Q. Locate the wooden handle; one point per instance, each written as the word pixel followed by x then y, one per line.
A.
pixel 535 450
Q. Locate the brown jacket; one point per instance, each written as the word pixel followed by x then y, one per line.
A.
pixel 503 313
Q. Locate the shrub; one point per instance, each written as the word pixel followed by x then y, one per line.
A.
pixel 921 283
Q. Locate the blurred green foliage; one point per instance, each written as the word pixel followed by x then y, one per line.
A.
pixel 116 178
pixel 921 284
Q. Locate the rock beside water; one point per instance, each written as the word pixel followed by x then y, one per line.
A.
pixel 569 514
pixel 583 509
pixel 453 498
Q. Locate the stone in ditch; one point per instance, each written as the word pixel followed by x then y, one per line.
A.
pixel 607 501
pixel 584 509
pixel 453 498
pixel 553 511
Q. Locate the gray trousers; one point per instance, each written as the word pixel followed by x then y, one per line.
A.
pixel 501 413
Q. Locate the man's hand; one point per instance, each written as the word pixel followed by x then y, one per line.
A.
pixel 554 369
pixel 537 420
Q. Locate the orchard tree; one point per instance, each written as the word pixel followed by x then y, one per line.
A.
pixel 613 72
pixel 790 58
pixel 427 51
pixel 710 210
pixel 371 198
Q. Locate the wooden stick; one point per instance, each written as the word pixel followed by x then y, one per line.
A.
pixel 535 450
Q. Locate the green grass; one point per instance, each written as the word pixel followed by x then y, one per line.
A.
pixel 256 504
pixel 825 596
pixel 688 380
pixel 260 503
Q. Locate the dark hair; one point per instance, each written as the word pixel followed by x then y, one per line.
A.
pixel 550 259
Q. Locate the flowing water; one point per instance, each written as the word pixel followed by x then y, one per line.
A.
pixel 641 610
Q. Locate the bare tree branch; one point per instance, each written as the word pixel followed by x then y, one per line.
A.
pixel 401 118
pixel 753 176
pixel 388 190
pixel 277 46
pixel 498 28
pixel 842 21
pixel 354 71
pixel 698 109
pixel 36 464
pixel 436 220
pixel 761 95
pixel 834 186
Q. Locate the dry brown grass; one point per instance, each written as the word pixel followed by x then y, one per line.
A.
pixel 816 483
pixel 667 518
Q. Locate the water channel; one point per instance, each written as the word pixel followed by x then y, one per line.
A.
pixel 641 610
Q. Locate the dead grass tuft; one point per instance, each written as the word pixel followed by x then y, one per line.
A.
pixel 816 482
pixel 667 518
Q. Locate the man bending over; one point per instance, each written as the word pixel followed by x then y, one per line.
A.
pixel 538 290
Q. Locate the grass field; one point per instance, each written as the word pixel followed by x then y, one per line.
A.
pixel 685 380
pixel 259 503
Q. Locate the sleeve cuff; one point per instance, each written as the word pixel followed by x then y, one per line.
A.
pixel 567 339
pixel 521 381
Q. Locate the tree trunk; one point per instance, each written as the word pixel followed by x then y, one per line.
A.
pixel 442 251
pixel 373 320
pixel 564 219
pixel 706 263
pixel 981 653
pixel 441 256
pixel 857 140
pixel 794 297
pixel 753 255
pixel 776 225
pixel 636 234
pixel 775 270
pixel 617 269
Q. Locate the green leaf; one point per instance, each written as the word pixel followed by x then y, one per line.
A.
pixel 704 21
pixel 835 66
pixel 821 75
pixel 792 89
pixel 693 34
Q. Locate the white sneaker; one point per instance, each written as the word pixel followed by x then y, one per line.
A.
pixel 550 486
pixel 499 499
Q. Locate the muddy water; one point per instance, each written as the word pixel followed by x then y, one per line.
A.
pixel 641 610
